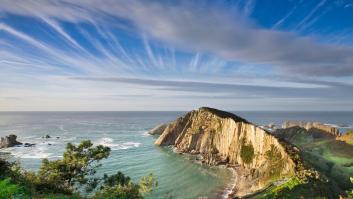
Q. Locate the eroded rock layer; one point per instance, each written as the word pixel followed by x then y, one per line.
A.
pixel 224 138
pixel 313 126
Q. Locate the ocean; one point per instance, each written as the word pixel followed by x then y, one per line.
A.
pixel 133 151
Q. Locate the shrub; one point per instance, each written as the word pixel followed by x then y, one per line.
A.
pixel 9 190
pixel 120 186
pixel 350 192
pixel 275 161
pixel 247 152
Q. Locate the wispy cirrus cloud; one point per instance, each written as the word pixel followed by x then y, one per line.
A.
pixel 323 89
pixel 203 29
pixel 178 54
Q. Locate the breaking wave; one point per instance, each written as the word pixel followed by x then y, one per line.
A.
pixel 109 142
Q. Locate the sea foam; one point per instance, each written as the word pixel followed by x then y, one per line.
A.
pixel 109 142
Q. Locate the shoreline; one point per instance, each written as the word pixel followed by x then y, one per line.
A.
pixel 228 192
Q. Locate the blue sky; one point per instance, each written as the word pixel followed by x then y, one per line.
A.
pixel 176 55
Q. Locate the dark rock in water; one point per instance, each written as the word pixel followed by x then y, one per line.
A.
pixel 57 137
pixel 49 144
pixel 46 136
pixel 9 141
pixel 28 144
pixel 158 130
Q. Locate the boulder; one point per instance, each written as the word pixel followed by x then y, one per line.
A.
pixel 28 144
pixel 9 141
pixel 46 136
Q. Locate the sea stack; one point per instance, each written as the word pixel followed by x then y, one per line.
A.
pixel 220 137
pixel 9 141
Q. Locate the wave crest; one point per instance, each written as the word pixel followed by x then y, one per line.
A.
pixel 109 142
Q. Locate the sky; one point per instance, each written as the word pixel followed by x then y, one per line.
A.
pixel 122 55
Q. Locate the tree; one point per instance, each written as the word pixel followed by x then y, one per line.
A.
pixel 121 186
pixel 76 168
pixel 62 178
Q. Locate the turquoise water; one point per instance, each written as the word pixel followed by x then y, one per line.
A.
pixel 133 151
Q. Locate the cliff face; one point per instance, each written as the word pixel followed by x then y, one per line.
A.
pixel 223 138
pixel 313 126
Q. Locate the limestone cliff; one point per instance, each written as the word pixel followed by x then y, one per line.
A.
pixel 223 138
pixel 312 126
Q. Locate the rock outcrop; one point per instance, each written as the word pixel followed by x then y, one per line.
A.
pixel 295 134
pixel 158 130
pixel 223 138
pixel 9 141
pixel 347 137
pixel 313 126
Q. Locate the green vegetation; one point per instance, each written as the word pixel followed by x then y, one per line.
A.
pixel 247 152
pixel 294 188
pixel 278 191
pixel 275 161
pixel 65 178
pixel 8 189
pixel 330 156
pixel 350 192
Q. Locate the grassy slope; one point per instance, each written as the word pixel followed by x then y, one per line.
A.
pixel 292 189
pixel 330 157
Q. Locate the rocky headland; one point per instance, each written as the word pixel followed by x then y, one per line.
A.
pixel 259 158
pixel 312 126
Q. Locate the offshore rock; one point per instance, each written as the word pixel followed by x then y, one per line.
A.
pixel 223 138
pixel 9 141
pixel 157 130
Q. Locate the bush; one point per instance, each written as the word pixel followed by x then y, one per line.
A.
pixel 350 192
pixel 9 190
pixel 247 152
pixel 120 186
pixel 275 160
